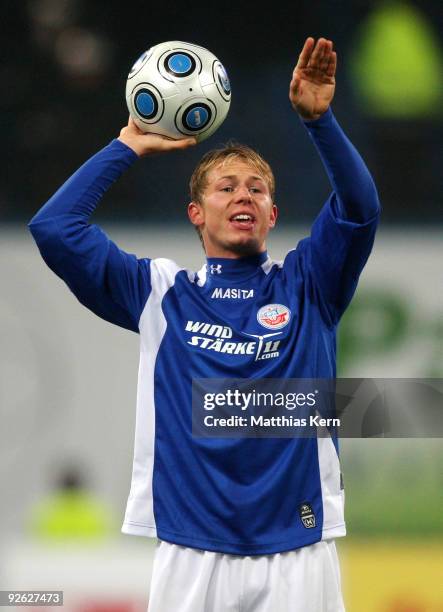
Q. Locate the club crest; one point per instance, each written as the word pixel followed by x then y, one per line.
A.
pixel 274 316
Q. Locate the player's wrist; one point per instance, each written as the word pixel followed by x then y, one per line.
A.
pixel 130 144
pixel 320 117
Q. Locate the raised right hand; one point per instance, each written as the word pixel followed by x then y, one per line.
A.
pixel 147 144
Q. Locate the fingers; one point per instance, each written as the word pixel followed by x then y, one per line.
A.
pixel 168 144
pixel 321 54
pixel 305 54
pixel 149 144
pixel 133 127
pixel 184 143
pixel 317 55
pixel 162 143
pixel 332 65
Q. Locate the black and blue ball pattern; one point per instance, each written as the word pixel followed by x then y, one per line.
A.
pixel 146 103
pixel 139 63
pixel 196 116
pixel 223 79
pixel 179 64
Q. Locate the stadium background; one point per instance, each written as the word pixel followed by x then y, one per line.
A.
pixel 68 380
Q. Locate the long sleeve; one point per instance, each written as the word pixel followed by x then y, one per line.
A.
pixel 113 284
pixel 354 188
pixel 343 233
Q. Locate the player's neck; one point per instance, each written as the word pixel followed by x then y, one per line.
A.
pixel 226 267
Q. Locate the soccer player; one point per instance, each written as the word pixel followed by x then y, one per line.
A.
pixel 241 523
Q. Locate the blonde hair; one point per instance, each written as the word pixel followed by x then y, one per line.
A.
pixel 222 156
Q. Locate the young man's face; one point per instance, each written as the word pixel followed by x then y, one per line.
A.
pixel 236 212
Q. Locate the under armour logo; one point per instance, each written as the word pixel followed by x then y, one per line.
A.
pixel 215 269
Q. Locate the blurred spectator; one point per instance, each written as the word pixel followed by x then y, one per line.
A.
pixel 71 512
pixel 396 66
pixel 396 70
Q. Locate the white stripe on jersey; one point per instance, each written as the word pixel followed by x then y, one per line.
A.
pixel 269 264
pixel 139 516
pixel 332 494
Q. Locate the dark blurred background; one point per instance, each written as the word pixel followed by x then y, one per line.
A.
pixel 63 72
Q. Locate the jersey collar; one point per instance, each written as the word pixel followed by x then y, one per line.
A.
pixel 224 268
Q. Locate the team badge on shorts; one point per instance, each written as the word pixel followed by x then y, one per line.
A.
pixel 307 515
pixel 274 316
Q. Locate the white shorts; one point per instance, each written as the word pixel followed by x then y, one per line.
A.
pixel 190 580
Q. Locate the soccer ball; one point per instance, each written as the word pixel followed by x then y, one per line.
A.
pixel 178 89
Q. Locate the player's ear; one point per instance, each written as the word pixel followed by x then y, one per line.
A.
pixel 196 213
pixel 273 215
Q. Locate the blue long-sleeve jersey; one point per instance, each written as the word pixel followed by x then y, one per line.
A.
pixel 240 496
